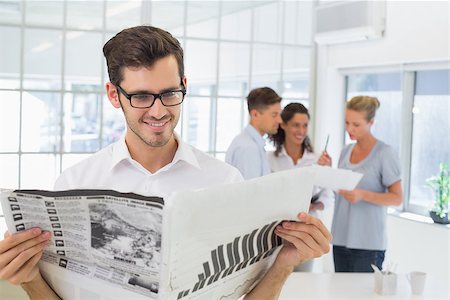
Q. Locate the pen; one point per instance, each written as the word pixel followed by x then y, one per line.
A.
pixel 326 143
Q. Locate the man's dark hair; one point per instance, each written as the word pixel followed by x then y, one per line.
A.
pixel 261 98
pixel 140 46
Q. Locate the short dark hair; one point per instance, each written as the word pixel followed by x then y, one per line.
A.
pixel 140 46
pixel 260 98
pixel 286 115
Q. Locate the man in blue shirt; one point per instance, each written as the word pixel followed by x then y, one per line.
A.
pixel 246 151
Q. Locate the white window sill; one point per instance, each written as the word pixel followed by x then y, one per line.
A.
pixel 414 217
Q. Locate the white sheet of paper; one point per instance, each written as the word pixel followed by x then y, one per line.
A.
pixel 335 179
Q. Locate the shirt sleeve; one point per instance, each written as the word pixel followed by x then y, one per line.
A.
pixel 390 166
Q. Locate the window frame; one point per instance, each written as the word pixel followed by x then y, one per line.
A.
pixel 408 73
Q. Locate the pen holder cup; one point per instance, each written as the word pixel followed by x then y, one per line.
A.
pixel 385 283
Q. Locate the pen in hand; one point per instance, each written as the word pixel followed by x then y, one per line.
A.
pixel 326 143
pixel 325 159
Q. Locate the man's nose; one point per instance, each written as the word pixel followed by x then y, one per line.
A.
pixel 157 110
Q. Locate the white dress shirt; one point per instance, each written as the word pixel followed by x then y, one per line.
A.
pixel 113 168
pixel 284 162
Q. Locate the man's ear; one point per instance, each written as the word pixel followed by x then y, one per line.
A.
pixel 254 113
pixel 113 94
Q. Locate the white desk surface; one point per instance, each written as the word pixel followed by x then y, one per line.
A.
pixel 346 286
pixel 318 286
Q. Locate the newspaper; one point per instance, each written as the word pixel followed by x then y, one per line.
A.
pixel 213 243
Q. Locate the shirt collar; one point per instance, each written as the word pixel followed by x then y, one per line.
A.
pixel 184 153
pixel 255 135
pixel 283 152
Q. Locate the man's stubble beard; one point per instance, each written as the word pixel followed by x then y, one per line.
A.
pixel 151 143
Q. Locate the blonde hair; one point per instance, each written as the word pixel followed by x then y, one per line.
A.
pixel 366 104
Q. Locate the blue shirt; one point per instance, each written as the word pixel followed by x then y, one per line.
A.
pixel 362 225
pixel 247 154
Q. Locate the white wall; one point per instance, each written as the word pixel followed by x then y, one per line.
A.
pixel 416 31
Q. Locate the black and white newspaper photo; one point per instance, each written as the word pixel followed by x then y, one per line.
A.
pixel 103 235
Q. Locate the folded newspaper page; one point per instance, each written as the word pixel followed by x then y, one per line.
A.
pixel 214 243
pixel 103 236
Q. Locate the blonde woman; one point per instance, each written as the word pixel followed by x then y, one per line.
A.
pixel 359 222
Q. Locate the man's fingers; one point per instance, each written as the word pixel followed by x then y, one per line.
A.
pixel 25 273
pixel 308 234
pixel 12 240
pixel 20 260
pixel 308 219
pixel 11 254
pixel 301 247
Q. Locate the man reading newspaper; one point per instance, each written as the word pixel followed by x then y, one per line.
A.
pixel 147 81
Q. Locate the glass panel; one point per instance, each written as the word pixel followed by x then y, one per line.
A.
pixel 236 18
pixel 85 14
pixel 267 25
pixel 122 14
pixel 296 85
pixel 81 122
pixel 42 65
pixel 234 69
pixel 113 123
pixel 196 125
pixel 431 133
pixel 168 15
pixel 266 72
pixel 83 63
pixel 9 176
pixel 41 130
pixel 39 171
pixel 11 12
pixel 47 13
pixel 201 67
pixel 69 160
pixel 387 88
pixel 298 22
pixel 9 121
pixel 229 114
pixel 9 56
pixel 296 62
pixel 202 19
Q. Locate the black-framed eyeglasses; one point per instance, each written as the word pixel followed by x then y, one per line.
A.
pixel 169 98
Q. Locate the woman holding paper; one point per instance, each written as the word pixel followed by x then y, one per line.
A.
pixel 359 222
pixel 294 150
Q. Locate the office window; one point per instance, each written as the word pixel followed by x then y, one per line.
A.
pixel 388 89
pixel 426 139
pixel 53 107
pixel 430 132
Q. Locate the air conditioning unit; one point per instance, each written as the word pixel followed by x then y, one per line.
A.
pixel 350 21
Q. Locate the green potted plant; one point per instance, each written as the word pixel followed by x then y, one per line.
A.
pixel 441 186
